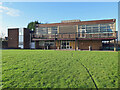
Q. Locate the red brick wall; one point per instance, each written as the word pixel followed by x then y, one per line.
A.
pixel 84 45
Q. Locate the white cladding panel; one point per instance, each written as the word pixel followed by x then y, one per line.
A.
pixel 21 37
pixel 32 45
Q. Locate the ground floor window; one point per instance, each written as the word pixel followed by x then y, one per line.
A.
pixel 46 44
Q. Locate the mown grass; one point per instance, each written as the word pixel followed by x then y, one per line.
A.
pixel 59 69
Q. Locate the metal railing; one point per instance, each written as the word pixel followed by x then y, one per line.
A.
pixel 77 35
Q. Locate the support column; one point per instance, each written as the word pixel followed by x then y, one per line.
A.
pixel 57 45
pixel 117 43
pixel 114 45
pixel 76 44
pixel 55 42
pixel 109 44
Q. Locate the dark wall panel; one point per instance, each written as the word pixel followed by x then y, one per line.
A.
pixel 13 38
pixel 26 38
pixel 68 29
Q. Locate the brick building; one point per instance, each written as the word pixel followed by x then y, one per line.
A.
pixel 18 38
pixel 75 34
pixel 69 34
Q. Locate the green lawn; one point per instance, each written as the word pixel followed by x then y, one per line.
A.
pixel 59 69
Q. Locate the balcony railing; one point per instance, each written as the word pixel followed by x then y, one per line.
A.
pixel 77 35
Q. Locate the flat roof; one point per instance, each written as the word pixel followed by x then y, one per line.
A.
pixel 79 23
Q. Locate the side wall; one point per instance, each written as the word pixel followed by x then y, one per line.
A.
pixel 26 38
pixel 13 37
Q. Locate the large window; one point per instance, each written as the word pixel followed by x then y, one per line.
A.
pixel 46 43
pixel 96 28
pixel 41 30
pixel 46 30
pixel 53 30
pixel 106 27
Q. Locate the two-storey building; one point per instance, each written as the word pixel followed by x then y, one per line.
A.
pixel 75 34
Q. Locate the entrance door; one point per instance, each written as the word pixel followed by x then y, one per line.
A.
pixel 65 45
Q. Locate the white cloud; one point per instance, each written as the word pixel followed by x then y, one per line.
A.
pixel 9 11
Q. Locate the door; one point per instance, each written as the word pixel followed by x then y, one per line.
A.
pixel 65 45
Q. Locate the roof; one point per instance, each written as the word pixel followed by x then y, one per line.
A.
pixel 79 23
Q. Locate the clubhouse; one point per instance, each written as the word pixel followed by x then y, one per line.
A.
pixel 69 34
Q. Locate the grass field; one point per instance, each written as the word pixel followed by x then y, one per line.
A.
pixel 59 69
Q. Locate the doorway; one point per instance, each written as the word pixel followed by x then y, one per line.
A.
pixel 65 45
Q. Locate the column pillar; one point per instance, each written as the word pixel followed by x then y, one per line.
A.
pixel 114 45
pixel 109 44
pixel 76 44
pixel 57 45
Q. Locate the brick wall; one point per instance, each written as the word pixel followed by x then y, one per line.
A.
pixel 84 45
pixel 26 38
pixel 13 37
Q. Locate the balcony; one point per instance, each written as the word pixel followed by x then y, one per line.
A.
pixel 73 36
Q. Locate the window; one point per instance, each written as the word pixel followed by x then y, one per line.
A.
pixel 88 31
pixel 41 43
pixel 83 26
pixel 49 43
pixel 109 30
pixel 42 30
pixel 96 28
pixel 53 30
pixel 88 28
pixel 65 45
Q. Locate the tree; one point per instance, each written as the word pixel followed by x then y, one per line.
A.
pixel 2 35
pixel 31 25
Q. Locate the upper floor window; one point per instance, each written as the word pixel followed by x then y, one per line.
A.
pixel 46 30
pixel 53 30
pixel 41 30
pixel 96 28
